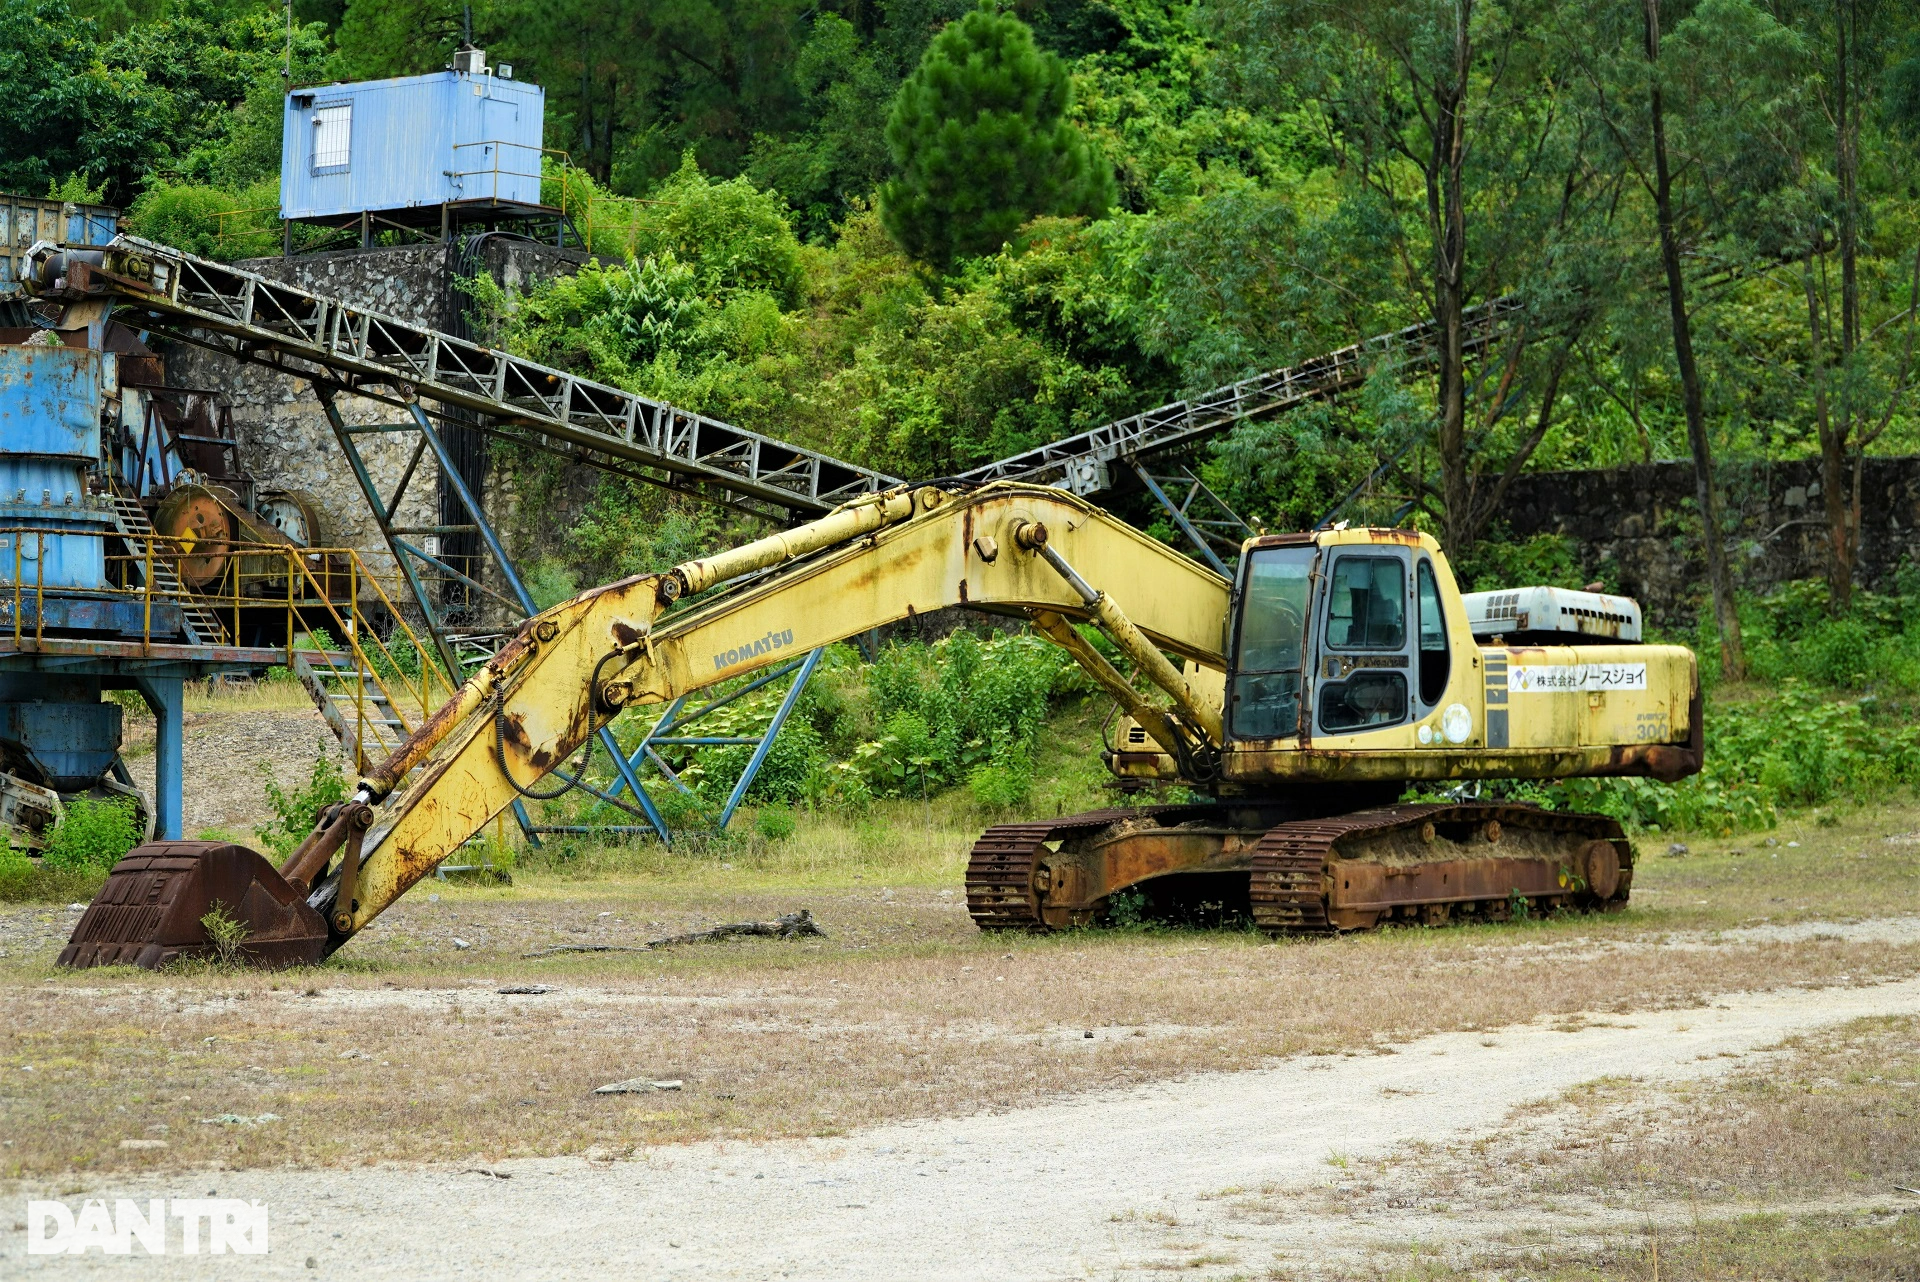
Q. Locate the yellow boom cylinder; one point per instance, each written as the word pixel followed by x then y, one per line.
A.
pixel 863 516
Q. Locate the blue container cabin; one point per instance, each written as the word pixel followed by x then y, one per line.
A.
pixel 411 143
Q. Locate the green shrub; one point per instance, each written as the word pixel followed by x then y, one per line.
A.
pixel 959 705
pixel 775 823
pixel 1498 560
pixel 1001 787
pixel 294 811
pixel 792 770
pixel 225 932
pixel 1796 747
pixel 23 878
pixel 211 221
pixel 92 835
pixel 16 870
pixel 1875 646
pixel 681 810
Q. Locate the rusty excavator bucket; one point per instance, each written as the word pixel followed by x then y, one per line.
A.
pixel 159 898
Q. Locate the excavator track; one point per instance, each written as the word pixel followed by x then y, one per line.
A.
pixel 1000 890
pixel 1317 876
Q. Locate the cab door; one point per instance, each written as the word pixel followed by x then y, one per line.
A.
pixel 1272 599
pixel 1363 676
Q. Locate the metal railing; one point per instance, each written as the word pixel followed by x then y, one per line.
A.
pixel 495 172
pixel 384 686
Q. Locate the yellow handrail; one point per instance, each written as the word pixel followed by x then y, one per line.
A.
pixel 312 584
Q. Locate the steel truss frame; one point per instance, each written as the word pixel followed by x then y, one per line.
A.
pixel 1082 464
pixel 253 318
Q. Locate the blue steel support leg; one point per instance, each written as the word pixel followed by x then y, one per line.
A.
pixel 766 744
pixel 459 484
pixel 631 780
pixel 378 506
pixel 468 501
pixel 640 753
pixel 1180 519
pixel 526 824
pixel 164 695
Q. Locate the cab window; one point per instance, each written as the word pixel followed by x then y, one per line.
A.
pixel 1434 665
pixel 1367 604
pixel 1362 683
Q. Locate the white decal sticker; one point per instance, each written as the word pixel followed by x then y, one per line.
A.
pixel 1559 678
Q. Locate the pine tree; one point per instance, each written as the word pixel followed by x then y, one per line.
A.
pixel 979 134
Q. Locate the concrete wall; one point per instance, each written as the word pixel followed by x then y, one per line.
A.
pixel 284 438
pixel 1638 527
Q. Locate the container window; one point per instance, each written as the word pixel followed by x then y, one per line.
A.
pixel 332 137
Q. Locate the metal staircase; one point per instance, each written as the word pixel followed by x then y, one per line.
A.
pixel 136 531
pixel 356 709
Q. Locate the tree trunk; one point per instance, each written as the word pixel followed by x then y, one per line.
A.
pixel 1836 446
pixel 1831 427
pixel 586 106
pixel 1447 221
pixel 1733 657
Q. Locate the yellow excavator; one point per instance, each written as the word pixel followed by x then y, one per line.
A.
pixel 1300 700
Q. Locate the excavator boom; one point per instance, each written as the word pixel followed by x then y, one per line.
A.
pixel 571 669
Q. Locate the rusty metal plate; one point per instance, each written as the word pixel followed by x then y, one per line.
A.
pixel 197 518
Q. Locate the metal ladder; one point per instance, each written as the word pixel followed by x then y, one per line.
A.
pixel 131 523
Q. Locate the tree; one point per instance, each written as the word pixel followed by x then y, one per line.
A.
pixel 982 143
pixel 1452 145
pixel 1857 382
pixel 1697 113
pixel 157 100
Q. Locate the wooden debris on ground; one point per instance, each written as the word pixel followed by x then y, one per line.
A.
pixel 792 925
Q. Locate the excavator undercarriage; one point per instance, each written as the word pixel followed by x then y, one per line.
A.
pixel 1353 870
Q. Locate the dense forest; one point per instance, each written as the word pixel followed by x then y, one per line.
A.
pixel 922 234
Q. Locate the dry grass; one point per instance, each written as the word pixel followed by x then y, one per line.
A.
pixel 1839 1114
pixel 278 694
pixel 399 1048
pixel 402 1050
pixel 1856 1246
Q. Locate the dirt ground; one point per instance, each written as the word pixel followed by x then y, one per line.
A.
pixel 1157 1178
pixel 225 749
pixel 910 1098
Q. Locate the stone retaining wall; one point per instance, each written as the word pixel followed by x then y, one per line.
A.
pixel 1638 527
pixel 284 438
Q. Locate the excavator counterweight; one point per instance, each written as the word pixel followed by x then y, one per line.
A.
pixel 1305 698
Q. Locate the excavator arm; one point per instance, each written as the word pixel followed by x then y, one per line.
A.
pixel 1012 549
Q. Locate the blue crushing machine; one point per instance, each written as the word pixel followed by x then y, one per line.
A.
pixel 88 601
